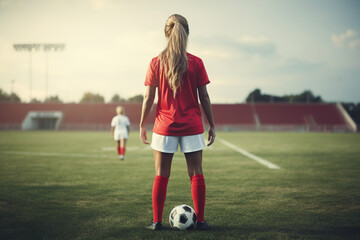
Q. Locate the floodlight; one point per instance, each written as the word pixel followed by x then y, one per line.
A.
pixel 32 47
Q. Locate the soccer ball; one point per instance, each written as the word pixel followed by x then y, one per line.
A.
pixel 182 217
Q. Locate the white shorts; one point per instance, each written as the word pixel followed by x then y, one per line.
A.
pixel 118 135
pixel 169 144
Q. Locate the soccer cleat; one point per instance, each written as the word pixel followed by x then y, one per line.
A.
pixel 201 226
pixel 155 226
pixel 121 157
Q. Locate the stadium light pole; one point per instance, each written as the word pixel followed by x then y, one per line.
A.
pixel 49 47
pixel 32 47
pixel 28 48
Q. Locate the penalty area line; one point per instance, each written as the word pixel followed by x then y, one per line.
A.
pixel 249 155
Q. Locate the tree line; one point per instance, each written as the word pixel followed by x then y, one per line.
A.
pixel 88 97
pixel 305 97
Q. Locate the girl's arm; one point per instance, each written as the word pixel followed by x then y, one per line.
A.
pixel 206 105
pixel 147 104
pixel 112 131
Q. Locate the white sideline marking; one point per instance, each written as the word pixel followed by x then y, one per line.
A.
pixel 131 148
pixel 250 155
pixel 113 148
pixel 108 148
pixel 52 154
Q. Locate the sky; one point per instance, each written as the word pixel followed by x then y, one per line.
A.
pixel 279 46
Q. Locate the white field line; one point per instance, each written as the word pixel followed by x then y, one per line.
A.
pixel 130 148
pixel 53 154
pixel 77 155
pixel 249 155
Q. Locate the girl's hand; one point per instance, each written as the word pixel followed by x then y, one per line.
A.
pixel 143 135
pixel 212 136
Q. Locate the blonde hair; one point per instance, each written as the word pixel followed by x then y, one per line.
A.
pixel 173 58
pixel 120 110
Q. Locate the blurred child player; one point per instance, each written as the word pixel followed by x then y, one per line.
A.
pixel 120 130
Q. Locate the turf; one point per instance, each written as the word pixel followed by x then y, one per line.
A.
pixel 71 185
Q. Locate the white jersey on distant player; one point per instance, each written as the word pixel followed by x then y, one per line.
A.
pixel 120 123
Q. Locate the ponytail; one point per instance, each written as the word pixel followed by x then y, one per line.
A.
pixel 174 59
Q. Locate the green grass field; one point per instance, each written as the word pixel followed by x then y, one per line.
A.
pixel 71 185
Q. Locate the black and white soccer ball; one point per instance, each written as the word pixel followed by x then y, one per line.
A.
pixel 182 217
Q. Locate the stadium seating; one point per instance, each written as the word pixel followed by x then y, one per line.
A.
pixel 322 117
pixel 228 117
pixel 233 116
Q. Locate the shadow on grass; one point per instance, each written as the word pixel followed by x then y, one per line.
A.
pixel 226 232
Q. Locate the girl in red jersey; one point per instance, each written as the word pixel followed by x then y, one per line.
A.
pixel 181 79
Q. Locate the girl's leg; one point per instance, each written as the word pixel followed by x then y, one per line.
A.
pixel 194 163
pixel 118 147
pixel 122 146
pixel 162 174
pixel 198 188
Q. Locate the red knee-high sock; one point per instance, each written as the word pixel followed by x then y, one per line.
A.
pixel 158 197
pixel 118 150
pixel 198 191
pixel 122 151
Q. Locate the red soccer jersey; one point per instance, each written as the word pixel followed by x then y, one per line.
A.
pixel 179 116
